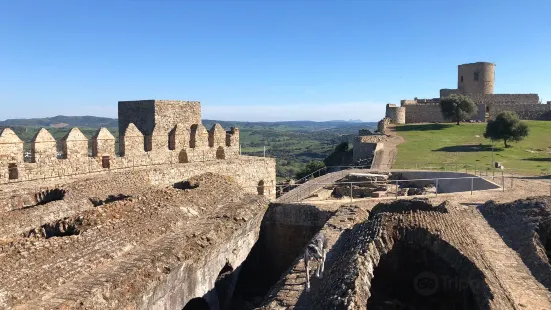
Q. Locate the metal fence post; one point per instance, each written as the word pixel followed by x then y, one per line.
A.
pixel 472 181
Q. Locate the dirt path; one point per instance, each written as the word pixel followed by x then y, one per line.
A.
pixel 384 159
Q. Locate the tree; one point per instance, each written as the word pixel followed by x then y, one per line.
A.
pixel 506 126
pixel 342 155
pixel 311 167
pixel 457 107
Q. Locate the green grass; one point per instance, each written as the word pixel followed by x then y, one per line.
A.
pixel 465 144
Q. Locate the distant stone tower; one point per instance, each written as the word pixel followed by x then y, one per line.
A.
pixel 476 78
pixel 396 114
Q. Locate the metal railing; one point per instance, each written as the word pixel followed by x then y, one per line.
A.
pixel 303 193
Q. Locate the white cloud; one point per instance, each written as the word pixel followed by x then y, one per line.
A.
pixel 366 111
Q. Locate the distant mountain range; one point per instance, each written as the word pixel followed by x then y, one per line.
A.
pixel 61 121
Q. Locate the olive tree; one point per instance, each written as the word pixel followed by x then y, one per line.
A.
pixel 457 108
pixel 507 127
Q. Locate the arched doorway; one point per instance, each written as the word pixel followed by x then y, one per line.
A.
pixel 260 188
pixel 197 304
pixel 220 153
pixel 182 157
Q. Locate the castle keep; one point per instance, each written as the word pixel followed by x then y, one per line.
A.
pixel 475 80
pixel 153 133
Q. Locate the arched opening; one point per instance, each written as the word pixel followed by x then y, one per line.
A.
pixel 106 162
pixel 197 304
pixel 13 171
pixel 410 276
pixel 260 188
pixel 182 157
pixel 225 286
pixel 220 153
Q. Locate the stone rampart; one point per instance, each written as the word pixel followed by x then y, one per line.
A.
pixel 153 132
pixel 493 99
pixel 524 111
pixel 424 113
pixel 76 161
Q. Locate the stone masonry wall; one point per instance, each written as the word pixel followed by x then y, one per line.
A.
pixel 425 113
pixel 153 132
pixel 524 111
pixel 493 99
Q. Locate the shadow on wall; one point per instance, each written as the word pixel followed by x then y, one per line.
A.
pixel 423 127
pixel 469 148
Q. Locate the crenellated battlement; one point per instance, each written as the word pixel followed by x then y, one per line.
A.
pixel 171 138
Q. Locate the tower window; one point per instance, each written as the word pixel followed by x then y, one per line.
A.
pixel 461 79
pixel 476 76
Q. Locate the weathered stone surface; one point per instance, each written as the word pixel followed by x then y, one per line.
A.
pixel 43 148
pixel 103 143
pixel 74 145
pixel 11 147
pixel 137 250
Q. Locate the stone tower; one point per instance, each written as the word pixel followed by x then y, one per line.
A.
pixel 476 78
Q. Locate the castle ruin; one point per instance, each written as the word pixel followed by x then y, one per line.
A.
pixel 475 80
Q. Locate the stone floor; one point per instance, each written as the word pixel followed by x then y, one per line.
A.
pixel 117 239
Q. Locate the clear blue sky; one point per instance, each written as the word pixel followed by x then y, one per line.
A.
pixel 262 59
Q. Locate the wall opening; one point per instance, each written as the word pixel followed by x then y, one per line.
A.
pixel 461 79
pixel 106 162
pixel 476 76
pixel 413 277
pixel 172 140
pixel 60 228
pixel 13 171
pixel 44 197
pixel 284 232
pixel 182 157
pixel 224 286
pixel 197 304
pixel 260 187
pixel 220 154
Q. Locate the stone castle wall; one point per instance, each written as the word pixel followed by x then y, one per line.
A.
pixel 423 113
pixel 75 160
pixel 476 78
pixel 524 111
pixel 174 135
pixel 397 115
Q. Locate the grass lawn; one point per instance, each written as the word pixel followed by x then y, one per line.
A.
pixel 465 144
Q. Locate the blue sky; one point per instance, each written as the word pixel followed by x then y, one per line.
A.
pixel 262 59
